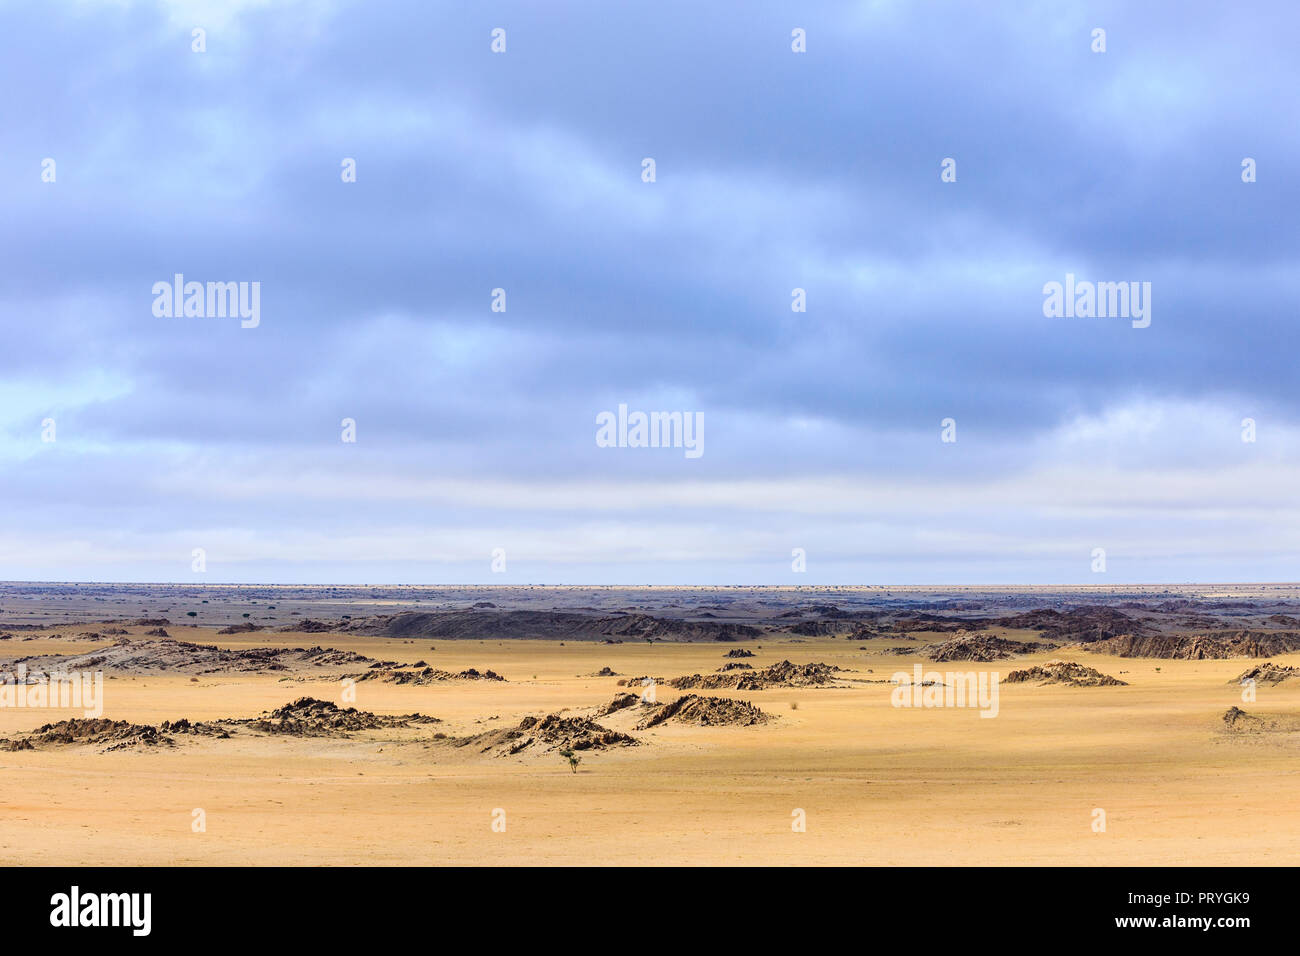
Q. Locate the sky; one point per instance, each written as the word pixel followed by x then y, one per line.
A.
pixel 129 439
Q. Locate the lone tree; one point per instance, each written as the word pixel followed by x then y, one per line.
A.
pixel 568 754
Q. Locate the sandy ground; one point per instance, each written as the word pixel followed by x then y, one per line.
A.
pixel 878 784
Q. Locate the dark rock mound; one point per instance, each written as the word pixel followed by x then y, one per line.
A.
pixel 1079 625
pixel 620 702
pixel 1234 718
pixel 933 623
pixel 95 732
pixel 196 729
pixel 422 677
pixel 706 712
pixel 784 674
pixel 818 628
pixel 827 610
pixel 981 649
pixel 642 681
pixel 542 625
pixel 1197 647
pixel 309 717
pixel 1237 721
pixel 549 733
pixel 1268 673
pixel 309 626
pixel 183 657
pixel 1064 672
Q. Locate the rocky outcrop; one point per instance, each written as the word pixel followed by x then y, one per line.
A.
pixel 1197 647
pixel 706 712
pixel 1063 672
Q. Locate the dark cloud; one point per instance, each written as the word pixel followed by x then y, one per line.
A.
pixel 521 171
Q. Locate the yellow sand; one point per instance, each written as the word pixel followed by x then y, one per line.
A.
pixel 878 784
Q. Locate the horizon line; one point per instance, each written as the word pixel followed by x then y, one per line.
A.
pixel 363 584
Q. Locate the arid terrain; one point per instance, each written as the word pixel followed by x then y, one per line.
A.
pixel 411 725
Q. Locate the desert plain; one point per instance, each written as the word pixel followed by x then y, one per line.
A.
pixel 789 748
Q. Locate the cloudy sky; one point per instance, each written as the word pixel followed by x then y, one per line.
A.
pixel 522 171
